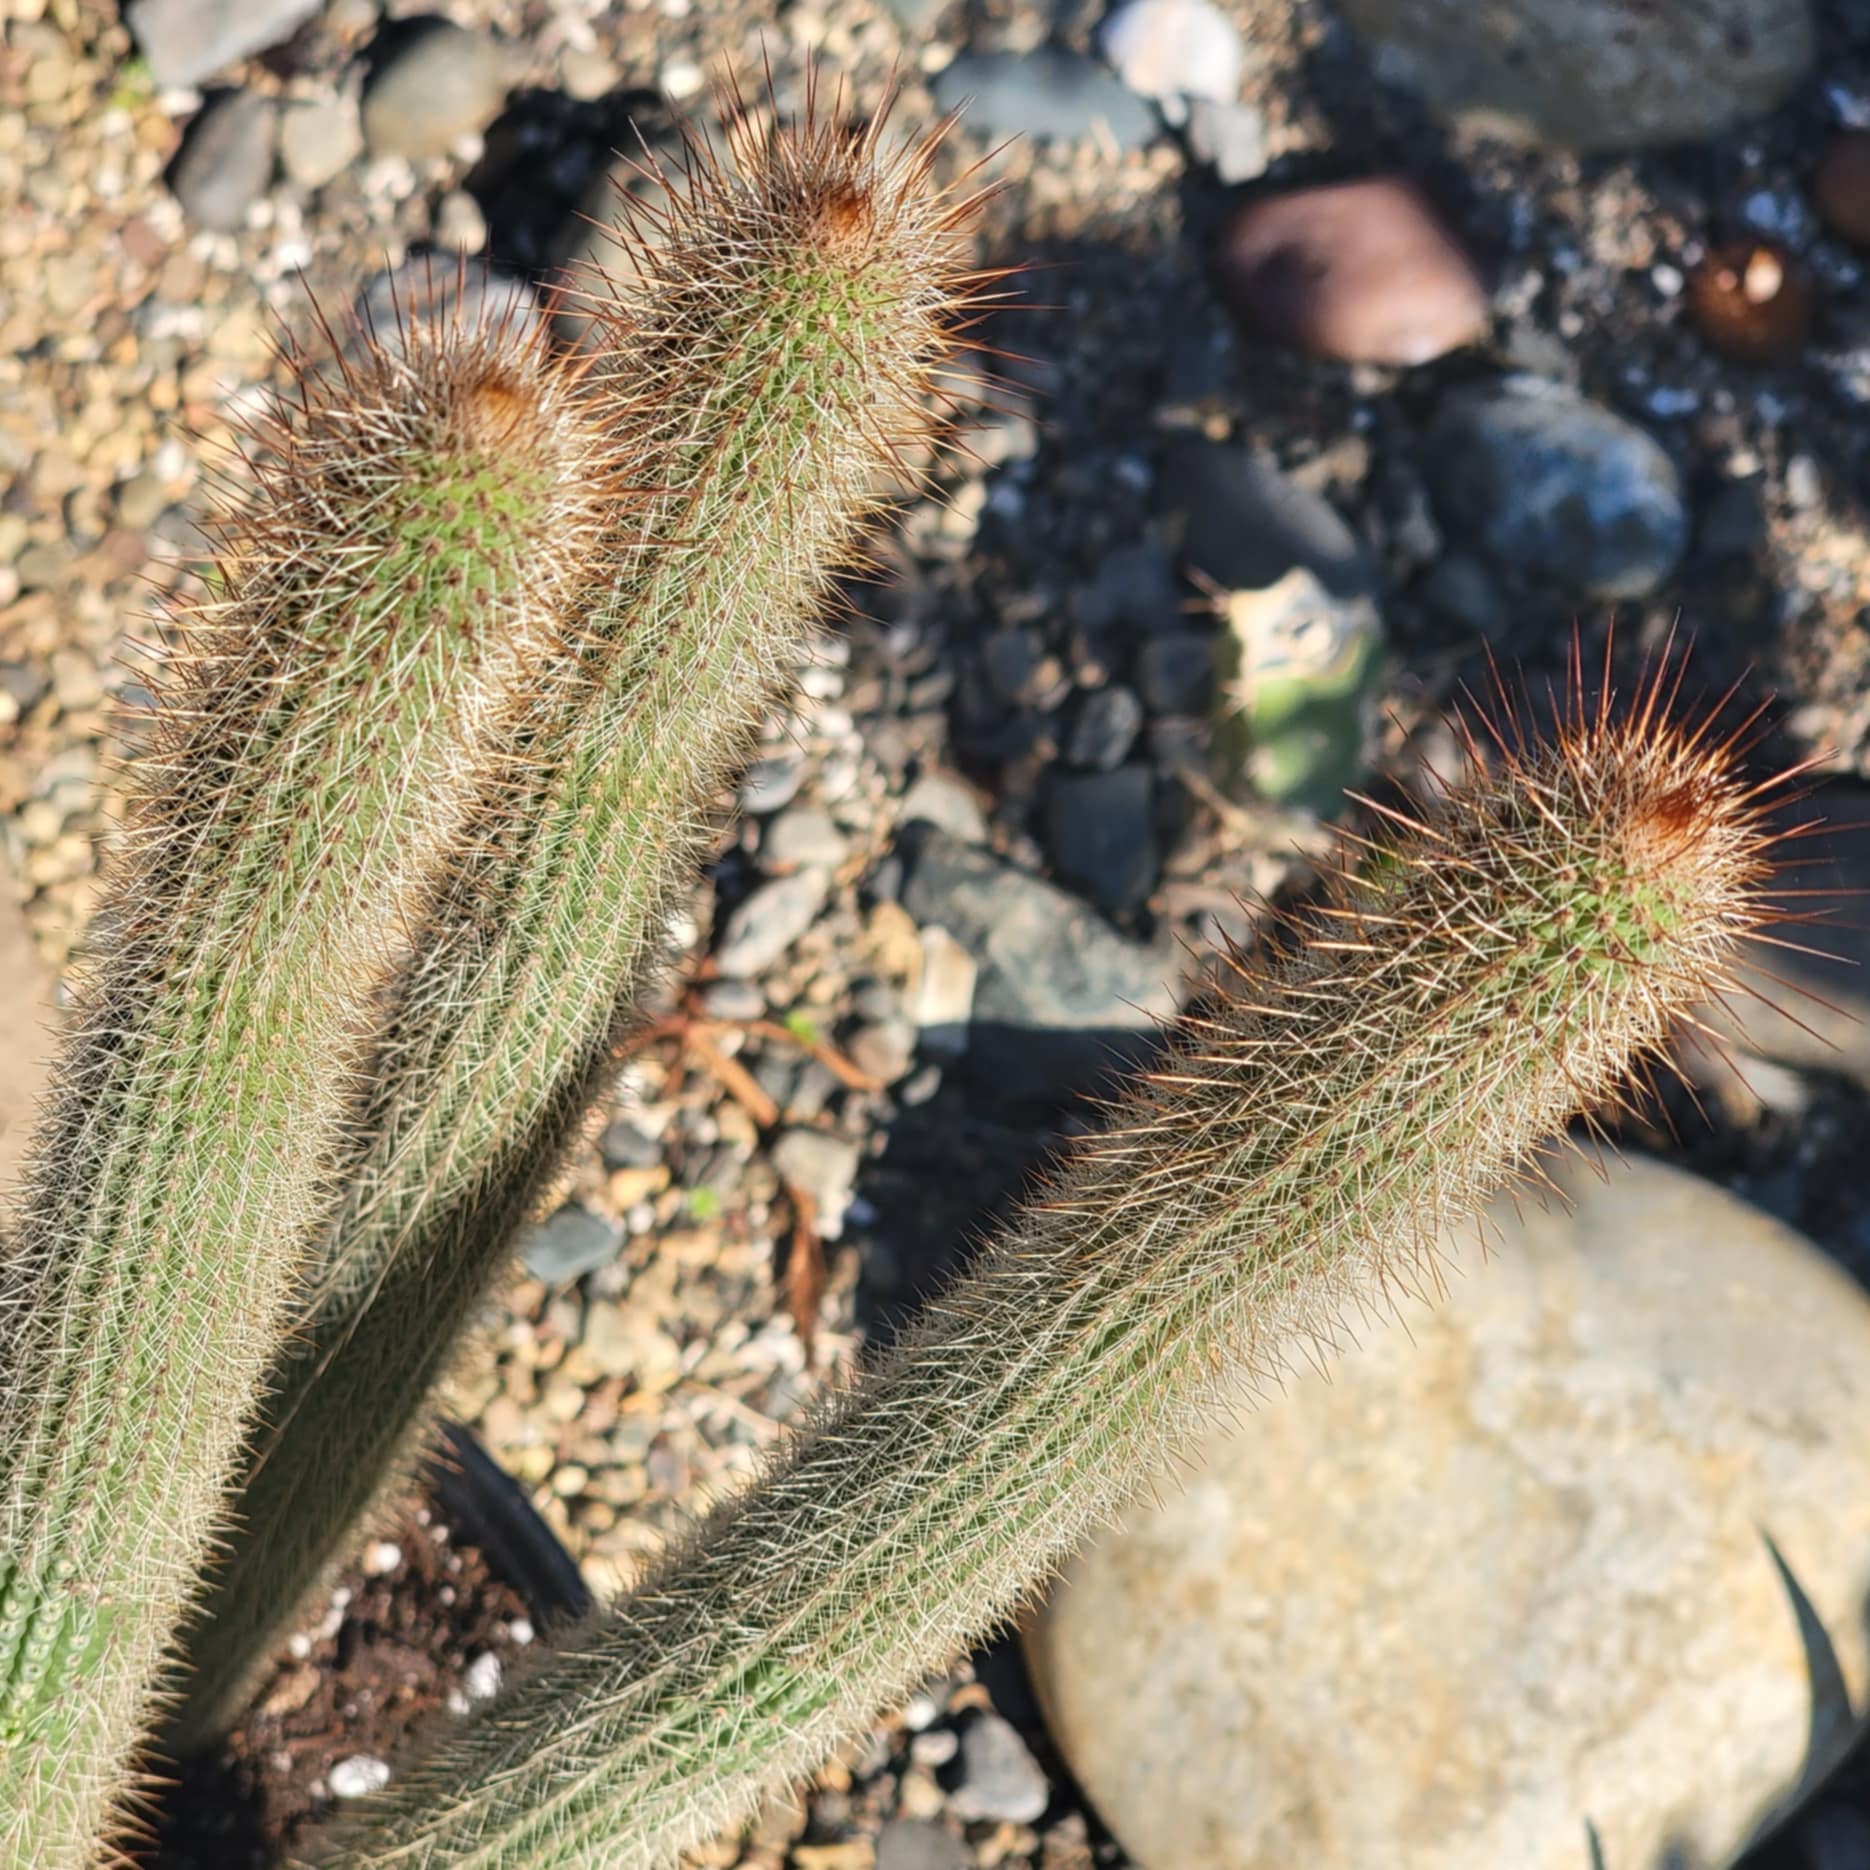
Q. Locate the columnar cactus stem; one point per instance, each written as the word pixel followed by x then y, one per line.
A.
pixel 771 360
pixel 394 606
pixel 1497 965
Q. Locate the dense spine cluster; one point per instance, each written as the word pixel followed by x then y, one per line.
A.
pixel 772 360
pixel 391 608
pixel 1490 968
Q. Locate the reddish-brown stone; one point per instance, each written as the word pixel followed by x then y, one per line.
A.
pixel 1361 271
pixel 1841 186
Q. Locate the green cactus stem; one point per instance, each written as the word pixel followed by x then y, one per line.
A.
pixel 1495 965
pixel 391 608
pixel 768 366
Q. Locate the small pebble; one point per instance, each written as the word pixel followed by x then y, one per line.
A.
pixel 586 76
pixel 884 1050
pixel 729 999
pixel 1173 49
pixel 319 138
pixel 358 1776
pixel 76 680
pixel 481 1680
pixel 1106 728
pixel 381 1557
pixel 575 1241
pixel 1050 95
pixel 763 927
pixel 226 161
pixel 942 799
pixel 944 1000
pixel 442 83
pixel 460 227
pixel 825 1169
pixel 185 41
pixel 1175 671
pixel 803 834
pixel 1230 138
pixel 771 783
pixel 994 1775
pixel 1100 832
pixel 1360 271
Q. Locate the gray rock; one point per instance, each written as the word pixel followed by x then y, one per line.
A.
pixel 994 1776
pixel 319 138
pixel 770 921
pixel 1556 488
pixel 912 1844
pixel 803 834
pixel 733 999
pixel 1245 524
pixel 942 799
pixel 825 1169
pixel 440 84
pixel 1593 74
pixel 772 783
pixel 26 684
pixel 1135 583
pixel 1230 138
pixel 140 501
pixel 1100 833
pixel 1587 1544
pixel 225 161
pixel 1173 49
pixel 1734 521
pixel 1106 728
pixel 575 1241
pixel 624 1146
pixel 885 1049
pixel 1176 671
pixel 1049 95
pixel 1008 660
pixel 1466 593
pixel 1059 996
pixel 185 41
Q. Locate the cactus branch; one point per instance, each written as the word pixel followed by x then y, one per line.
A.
pixel 767 368
pixel 1495 965
pixel 389 607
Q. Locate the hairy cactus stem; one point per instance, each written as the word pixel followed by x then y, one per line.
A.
pixel 768 363
pixel 1492 966
pixel 390 607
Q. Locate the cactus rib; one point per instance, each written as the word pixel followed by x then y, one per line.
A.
pixel 772 359
pixel 1495 965
pixel 388 608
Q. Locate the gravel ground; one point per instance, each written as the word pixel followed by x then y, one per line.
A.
pixel 838 1091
